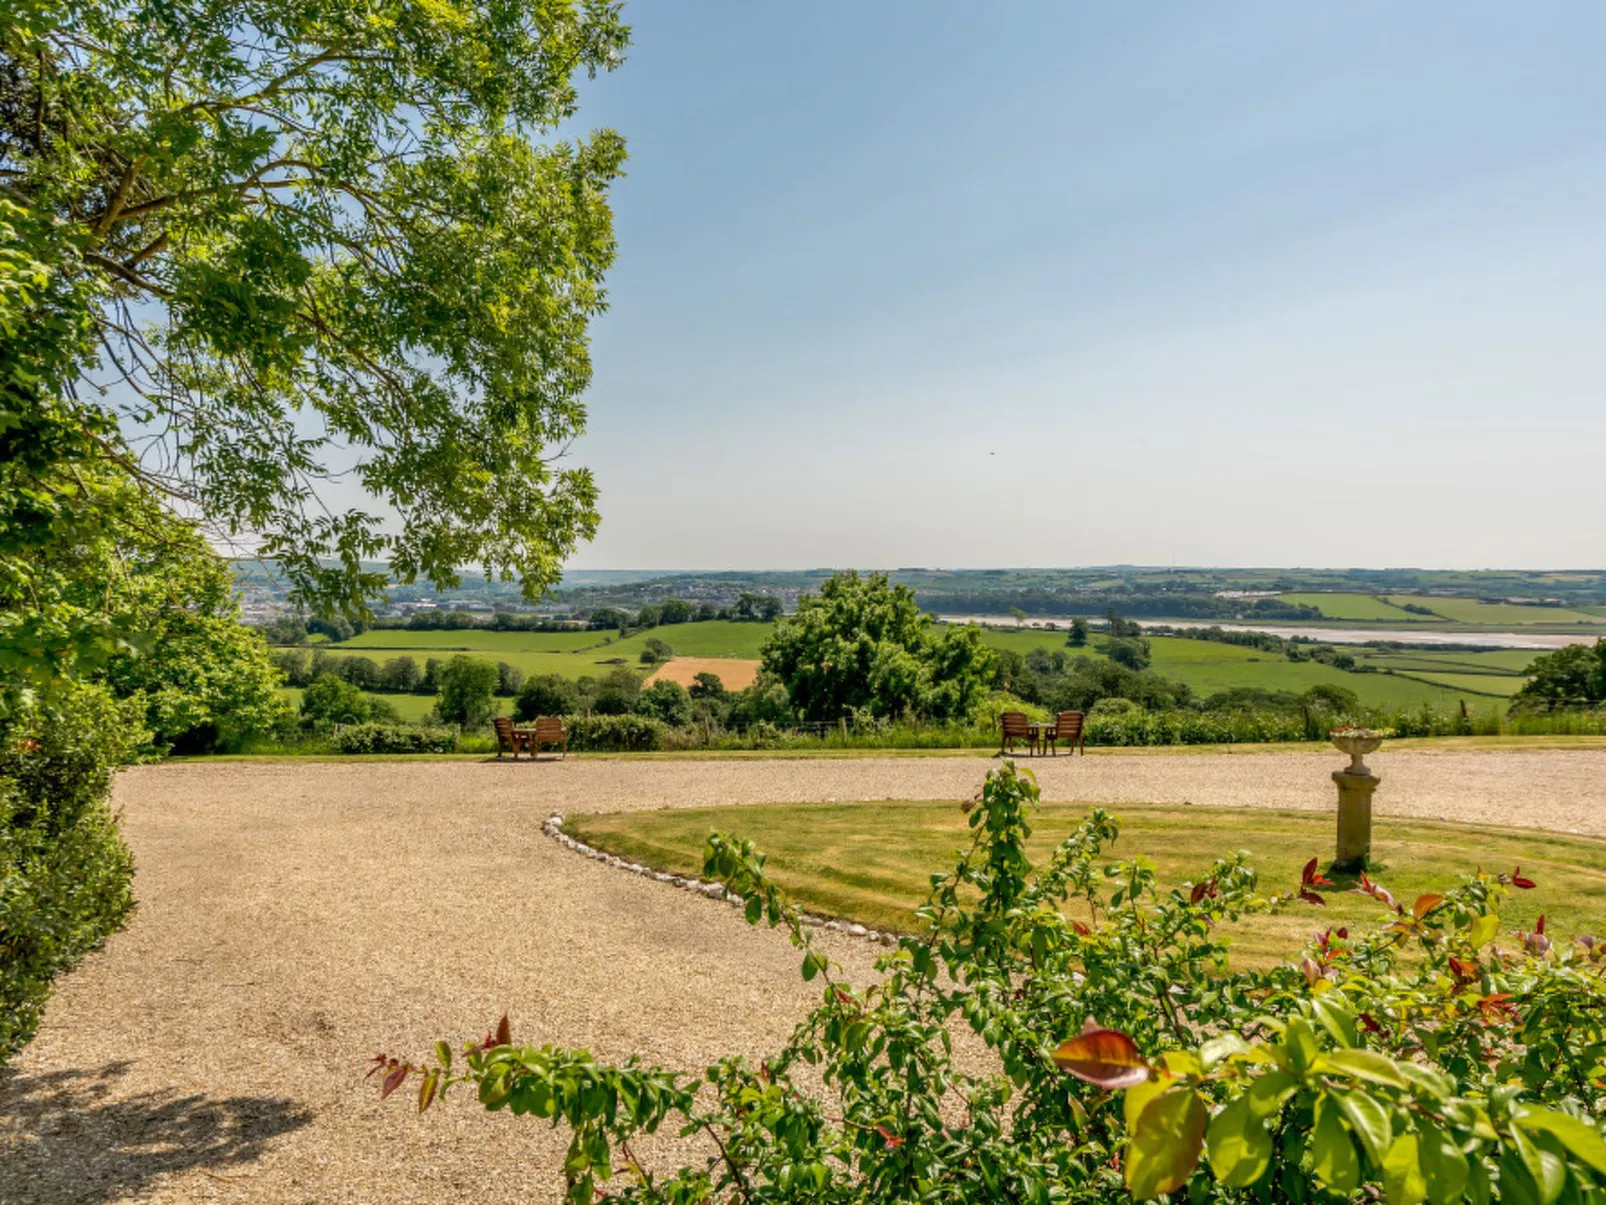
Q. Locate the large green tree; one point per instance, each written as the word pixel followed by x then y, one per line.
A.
pixel 862 645
pixel 298 241
pixel 1574 676
pixel 311 277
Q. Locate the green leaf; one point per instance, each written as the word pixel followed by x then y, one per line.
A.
pixel 1268 1092
pixel 1545 1159
pixel 1444 1166
pixel 1483 930
pixel 1217 1050
pixel 811 966
pixel 1332 1151
pixel 1164 1147
pixel 1240 1148
pixel 1579 1137
pixel 1370 1122
pixel 1335 1019
pixel 1301 1041
pixel 1403 1181
pixel 1365 1065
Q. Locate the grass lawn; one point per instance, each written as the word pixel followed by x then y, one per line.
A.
pixel 871 862
pixel 1352 606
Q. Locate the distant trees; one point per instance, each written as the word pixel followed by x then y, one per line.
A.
pixel 862 645
pixel 655 651
pixel 1570 677
pixel 331 700
pixel 400 675
pixel 509 680
pixel 1130 651
pixel 616 693
pixel 546 694
pixel 666 701
pixel 467 687
pixel 1077 637
pixel 764 608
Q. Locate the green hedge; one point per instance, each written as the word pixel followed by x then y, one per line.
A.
pixel 393 738
pixel 615 733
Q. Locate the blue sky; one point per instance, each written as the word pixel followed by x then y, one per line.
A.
pixel 953 284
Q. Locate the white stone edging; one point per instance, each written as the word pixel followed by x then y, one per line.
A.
pixel 553 827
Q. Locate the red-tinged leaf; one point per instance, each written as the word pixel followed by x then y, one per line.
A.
pixel 1342 932
pixel 379 1062
pixel 426 1089
pixel 1539 925
pixel 1463 969
pixel 394 1078
pixel 1105 1058
pixel 1081 929
pixel 1313 973
pixel 1321 880
pixel 1518 879
pixel 1381 894
pixel 1309 873
pixel 1200 890
pixel 504 1032
pixel 892 1140
pixel 1426 903
pixel 1369 1023
pixel 1310 897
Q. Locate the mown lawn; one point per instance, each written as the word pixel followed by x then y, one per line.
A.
pixel 872 862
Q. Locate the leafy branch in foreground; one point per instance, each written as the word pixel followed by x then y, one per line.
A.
pixel 1111 1052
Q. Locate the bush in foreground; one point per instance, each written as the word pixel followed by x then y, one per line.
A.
pixel 64 871
pixel 1435 1058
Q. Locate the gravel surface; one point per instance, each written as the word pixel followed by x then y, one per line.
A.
pixel 296 918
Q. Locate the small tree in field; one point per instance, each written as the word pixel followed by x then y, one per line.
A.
pixel 467 690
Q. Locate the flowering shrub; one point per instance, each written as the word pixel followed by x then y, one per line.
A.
pixel 1114 1053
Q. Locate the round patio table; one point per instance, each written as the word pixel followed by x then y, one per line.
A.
pixel 1041 730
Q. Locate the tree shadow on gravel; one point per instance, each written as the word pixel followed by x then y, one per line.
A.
pixel 69 1136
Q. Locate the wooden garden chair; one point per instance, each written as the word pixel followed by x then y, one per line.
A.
pixel 1068 727
pixel 1014 726
pixel 510 738
pixel 549 730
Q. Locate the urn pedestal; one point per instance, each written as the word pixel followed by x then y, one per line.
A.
pixel 1356 784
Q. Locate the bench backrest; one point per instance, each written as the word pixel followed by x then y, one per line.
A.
pixel 504 728
pixel 549 728
pixel 1015 723
pixel 1068 726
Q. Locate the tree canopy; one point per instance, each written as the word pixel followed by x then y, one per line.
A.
pixel 251 248
pixel 861 644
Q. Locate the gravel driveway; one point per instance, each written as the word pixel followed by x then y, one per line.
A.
pixel 294 919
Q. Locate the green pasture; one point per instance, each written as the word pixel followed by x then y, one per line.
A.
pixel 1362 607
pixel 1504 685
pixel 1495 661
pixel 406 640
pixel 871 862
pixel 1471 611
pixel 1208 667
pixel 571 655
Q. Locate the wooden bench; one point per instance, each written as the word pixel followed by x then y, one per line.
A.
pixel 1014 726
pixel 548 730
pixel 1068 727
pixel 510 738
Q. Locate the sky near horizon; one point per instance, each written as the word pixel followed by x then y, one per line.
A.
pixel 930 283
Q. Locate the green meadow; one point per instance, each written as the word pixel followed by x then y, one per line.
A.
pixel 870 862
pixel 1405 679
pixel 1469 612
pixel 1361 607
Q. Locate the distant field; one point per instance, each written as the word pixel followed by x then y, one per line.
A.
pixel 1209 667
pixel 406 639
pixel 711 638
pixel 1352 606
pixel 1512 661
pixel 592 663
pixel 1470 610
pixel 1503 685
pixel 733 673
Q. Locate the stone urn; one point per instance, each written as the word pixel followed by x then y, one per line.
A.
pixel 1357 742
pixel 1356 785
